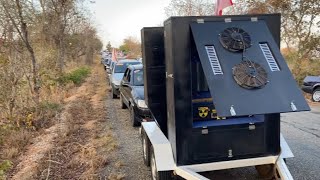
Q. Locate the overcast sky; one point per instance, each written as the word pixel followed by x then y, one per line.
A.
pixel 118 19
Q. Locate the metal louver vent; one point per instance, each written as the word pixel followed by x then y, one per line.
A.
pixel 269 57
pixel 214 61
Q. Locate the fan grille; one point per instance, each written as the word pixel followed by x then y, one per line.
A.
pixel 235 39
pixel 250 75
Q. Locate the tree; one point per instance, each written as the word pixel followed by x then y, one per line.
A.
pixel 300 28
pixel 131 46
pixel 190 8
pixel 35 37
pixel 109 47
pixel 14 12
pixel 60 13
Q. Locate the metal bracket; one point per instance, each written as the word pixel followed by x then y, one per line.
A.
pixel 227 20
pixel 254 19
pixel 293 106
pixel 200 21
pixel 230 155
pixel 232 111
pixel 169 75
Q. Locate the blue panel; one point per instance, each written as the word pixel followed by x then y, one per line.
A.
pixel 229 121
pixel 200 95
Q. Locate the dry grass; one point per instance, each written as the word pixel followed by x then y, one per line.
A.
pixel 116 176
pixel 10 153
pixel 14 143
pixel 84 149
pixel 80 147
pixel 106 143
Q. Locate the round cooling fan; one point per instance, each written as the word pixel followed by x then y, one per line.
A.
pixel 250 75
pixel 235 39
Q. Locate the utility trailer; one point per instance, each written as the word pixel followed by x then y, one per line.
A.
pixel 216 87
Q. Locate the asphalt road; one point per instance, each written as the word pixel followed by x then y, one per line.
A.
pixel 302 132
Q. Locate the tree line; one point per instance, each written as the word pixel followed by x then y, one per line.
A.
pixel 38 40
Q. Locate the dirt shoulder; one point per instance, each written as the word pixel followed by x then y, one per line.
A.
pixel 92 138
pixel 79 144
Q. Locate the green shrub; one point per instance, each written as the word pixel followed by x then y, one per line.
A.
pixel 77 76
pixel 4 167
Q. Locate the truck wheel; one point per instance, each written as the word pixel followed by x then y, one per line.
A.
pixel 133 118
pixel 145 148
pixel 114 96
pixel 123 106
pixel 158 175
pixel 266 171
pixel 316 95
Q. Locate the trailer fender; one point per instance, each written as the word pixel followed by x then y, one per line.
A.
pixel 285 149
pixel 161 146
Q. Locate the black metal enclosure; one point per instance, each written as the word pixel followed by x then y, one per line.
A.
pixel 152 43
pixel 226 85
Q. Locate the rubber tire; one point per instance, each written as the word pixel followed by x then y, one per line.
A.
pixel 133 118
pixel 122 104
pixel 114 96
pixel 317 89
pixel 266 171
pixel 145 152
pixel 162 175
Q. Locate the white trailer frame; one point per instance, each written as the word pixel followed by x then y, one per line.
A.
pixel 165 161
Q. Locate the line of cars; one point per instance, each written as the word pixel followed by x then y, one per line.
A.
pixel 125 78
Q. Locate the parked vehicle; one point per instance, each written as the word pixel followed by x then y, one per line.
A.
pixel 111 64
pixel 311 85
pixel 117 71
pixel 106 63
pixel 132 94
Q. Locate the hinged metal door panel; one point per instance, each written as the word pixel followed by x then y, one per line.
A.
pixel 280 94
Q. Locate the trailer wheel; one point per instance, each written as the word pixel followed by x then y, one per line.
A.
pixel 145 148
pixel 158 175
pixel 266 171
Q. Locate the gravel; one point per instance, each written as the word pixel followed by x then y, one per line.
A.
pixel 129 152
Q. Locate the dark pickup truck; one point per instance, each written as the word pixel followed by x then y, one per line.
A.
pixel 132 94
pixel 311 85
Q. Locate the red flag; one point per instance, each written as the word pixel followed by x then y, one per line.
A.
pixel 114 55
pixel 221 4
